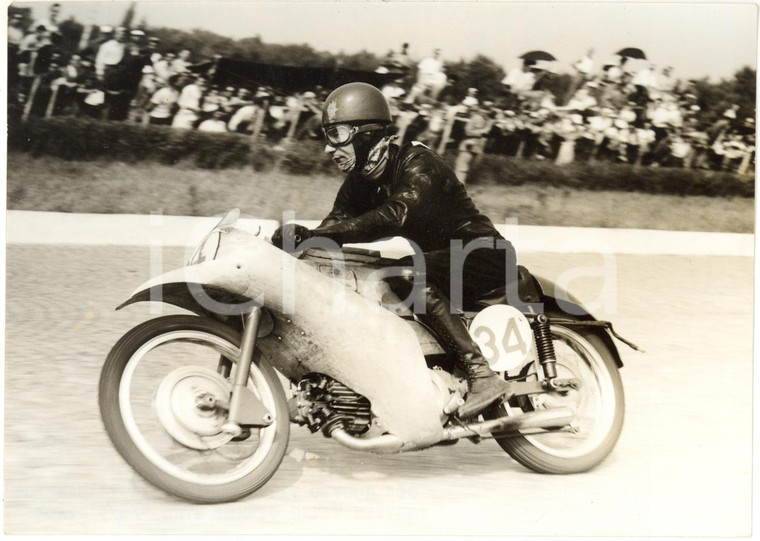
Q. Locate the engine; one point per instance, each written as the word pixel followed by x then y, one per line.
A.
pixel 322 403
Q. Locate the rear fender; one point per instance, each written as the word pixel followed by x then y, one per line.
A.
pixel 558 301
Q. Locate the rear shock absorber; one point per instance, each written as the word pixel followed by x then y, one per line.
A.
pixel 545 346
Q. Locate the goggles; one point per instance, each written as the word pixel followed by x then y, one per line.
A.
pixel 342 134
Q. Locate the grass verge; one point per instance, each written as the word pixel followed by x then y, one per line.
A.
pixel 51 184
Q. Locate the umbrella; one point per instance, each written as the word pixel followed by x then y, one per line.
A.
pixel 538 55
pixel 632 52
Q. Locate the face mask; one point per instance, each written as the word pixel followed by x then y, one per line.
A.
pixel 347 165
pixel 377 158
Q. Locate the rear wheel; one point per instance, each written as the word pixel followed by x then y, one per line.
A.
pixel 598 406
pixel 164 390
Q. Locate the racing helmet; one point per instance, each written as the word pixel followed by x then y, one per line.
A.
pixel 356 103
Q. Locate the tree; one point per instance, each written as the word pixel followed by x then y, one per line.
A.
pixel 481 72
pixel 715 99
pixel 129 16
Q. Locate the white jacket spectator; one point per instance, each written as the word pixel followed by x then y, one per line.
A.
pixel 189 106
pixel 15 30
pixel 581 100
pixel 245 115
pixel 428 68
pixel 163 67
pixel 111 52
pixel 35 41
pixel 520 81
pixel 162 103
pixel 666 82
pixel 182 62
pixel 51 22
pixel 586 64
pixel 214 124
pixel 646 78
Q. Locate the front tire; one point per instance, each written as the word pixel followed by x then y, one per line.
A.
pixel 154 420
pixel 599 406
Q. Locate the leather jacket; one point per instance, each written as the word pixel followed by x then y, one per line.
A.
pixel 417 197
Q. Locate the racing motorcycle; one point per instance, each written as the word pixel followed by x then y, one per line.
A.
pixel 195 404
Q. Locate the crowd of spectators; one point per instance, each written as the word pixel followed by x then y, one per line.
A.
pixel 624 112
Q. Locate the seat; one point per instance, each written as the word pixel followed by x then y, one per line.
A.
pixel 527 289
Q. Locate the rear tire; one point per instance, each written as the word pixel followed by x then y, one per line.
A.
pixel 138 455
pixel 531 452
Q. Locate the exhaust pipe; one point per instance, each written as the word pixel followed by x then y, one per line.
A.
pixel 387 443
pixel 536 419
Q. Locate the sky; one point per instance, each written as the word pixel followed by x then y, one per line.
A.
pixel 698 39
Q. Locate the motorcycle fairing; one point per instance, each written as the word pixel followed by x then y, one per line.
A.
pixel 321 326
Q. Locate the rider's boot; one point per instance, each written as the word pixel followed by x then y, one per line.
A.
pixel 485 387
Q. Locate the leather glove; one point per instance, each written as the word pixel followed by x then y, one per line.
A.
pixel 289 236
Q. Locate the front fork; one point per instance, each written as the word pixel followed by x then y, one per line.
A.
pixel 246 409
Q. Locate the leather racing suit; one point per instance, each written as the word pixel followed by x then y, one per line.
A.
pixel 419 197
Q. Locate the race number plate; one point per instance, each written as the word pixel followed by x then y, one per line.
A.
pixel 504 336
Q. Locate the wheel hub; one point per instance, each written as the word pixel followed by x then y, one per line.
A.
pixel 188 404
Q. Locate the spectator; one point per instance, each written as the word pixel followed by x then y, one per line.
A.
pixel 471 99
pixel 393 90
pixel 244 119
pixel 51 23
pixel 111 53
pixel 612 72
pixel 646 78
pixel 105 33
pixel 147 88
pixel 16 30
pixel 137 37
pixel 163 67
pixel 212 101
pixel 430 78
pixel 122 80
pixel 34 57
pixel 36 40
pixel 189 103
pixel 399 61
pixel 182 62
pixel 666 83
pixel 215 123
pixel 242 98
pixel 471 147
pixel 521 79
pixel 15 37
pixel 164 102
pixel 585 65
pixel 64 87
pixel 582 74
pixel 152 46
pixel 582 100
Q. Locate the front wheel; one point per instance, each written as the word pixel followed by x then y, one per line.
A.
pixel 163 392
pixel 598 407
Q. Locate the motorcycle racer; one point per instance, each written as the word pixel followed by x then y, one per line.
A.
pixel 411 192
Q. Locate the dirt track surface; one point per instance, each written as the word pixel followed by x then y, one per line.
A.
pixel 682 465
